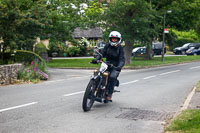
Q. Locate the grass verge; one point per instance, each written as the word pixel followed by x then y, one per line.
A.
pixel 187 122
pixel 198 86
pixel 136 63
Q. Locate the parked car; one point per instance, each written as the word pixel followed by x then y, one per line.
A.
pixel 98 48
pixel 193 51
pixel 182 50
pixel 157 48
pixel 138 51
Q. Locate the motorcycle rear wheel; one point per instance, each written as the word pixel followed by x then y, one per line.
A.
pixel 89 97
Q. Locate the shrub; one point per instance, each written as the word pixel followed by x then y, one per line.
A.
pixel 179 38
pixel 73 51
pixel 27 56
pixel 40 48
pixel 32 72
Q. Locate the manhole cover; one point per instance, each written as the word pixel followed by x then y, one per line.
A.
pixel 135 114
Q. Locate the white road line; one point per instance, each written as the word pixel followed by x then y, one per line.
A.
pixel 195 67
pixel 169 72
pixel 129 82
pixel 150 77
pixel 15 107
pixel 71 94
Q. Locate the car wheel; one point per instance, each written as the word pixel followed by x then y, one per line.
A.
pixel 195 54
pixel 183 52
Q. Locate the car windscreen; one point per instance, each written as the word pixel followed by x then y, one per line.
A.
pixel 185 45
pixel 135 49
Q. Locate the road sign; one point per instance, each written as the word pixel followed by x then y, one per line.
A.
pixel 166 30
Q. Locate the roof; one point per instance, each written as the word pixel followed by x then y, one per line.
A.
pixel 88 33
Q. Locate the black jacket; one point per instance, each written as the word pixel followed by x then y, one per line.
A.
pixel 114 55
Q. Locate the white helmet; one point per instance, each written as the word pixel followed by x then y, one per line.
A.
pixel 115 34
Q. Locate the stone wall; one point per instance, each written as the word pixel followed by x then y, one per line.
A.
pixel 8 73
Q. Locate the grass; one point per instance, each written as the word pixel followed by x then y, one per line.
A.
pixel 136 63
pixel 187 122
pixel 198 86
pixel 71 63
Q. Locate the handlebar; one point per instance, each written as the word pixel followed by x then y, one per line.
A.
pixel 100 61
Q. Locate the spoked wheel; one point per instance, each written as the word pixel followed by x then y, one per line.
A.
pixel 89 97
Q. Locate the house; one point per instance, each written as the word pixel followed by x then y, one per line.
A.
pixel 92 34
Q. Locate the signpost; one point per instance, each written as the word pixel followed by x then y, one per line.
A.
pixel 166 30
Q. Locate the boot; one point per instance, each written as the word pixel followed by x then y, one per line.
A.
pixel 109 97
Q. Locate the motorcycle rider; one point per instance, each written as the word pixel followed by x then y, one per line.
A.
pixel 114 54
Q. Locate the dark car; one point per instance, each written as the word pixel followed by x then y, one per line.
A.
pixel 138 51
pixel 98 48
pixel 157 48
pixel 182 50
pixel 193 51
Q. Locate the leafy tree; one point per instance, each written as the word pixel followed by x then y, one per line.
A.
pixel 21 21
pixel 185 13
pixel 134 19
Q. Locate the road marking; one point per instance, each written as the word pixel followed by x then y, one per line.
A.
pixel 169 72
pixel 195 67
pixel 187 101
pixel 75 93
pixel 129 82
pixel 15 107
pixel 150 77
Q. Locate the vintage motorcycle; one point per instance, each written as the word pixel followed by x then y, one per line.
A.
pixel 97 87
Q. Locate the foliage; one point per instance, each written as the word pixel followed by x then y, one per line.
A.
pixel 27 56
pixel 73 51
pixel 40 48
pixel 65 17
pixel 93 14
pixel 32 72
pixel 134 20
pixel 21 21
pixel 179 38
pixel 53 47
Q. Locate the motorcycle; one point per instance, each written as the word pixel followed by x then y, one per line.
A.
pixel 96 89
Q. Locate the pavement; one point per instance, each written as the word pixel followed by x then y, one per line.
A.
pixel 195 101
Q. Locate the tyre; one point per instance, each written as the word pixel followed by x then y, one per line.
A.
pixel 183 52
pixel 89 98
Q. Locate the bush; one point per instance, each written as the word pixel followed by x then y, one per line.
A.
pixel 27 56
pixel 73 51
pixel 180 42
pixel 53 48
pixel 33 72
pixel 40 48
pixel 179 38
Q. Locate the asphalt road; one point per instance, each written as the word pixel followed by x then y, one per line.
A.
pixel 148 98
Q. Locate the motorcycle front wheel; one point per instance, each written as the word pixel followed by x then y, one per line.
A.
pixel 89 96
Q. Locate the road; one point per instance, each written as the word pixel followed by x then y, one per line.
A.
pixel 148 98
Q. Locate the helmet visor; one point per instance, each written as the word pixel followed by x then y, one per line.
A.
pixel 114 39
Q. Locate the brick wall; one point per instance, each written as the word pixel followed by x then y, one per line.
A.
pixel 8 73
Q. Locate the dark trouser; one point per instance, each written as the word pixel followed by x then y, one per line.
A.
pixel 112 80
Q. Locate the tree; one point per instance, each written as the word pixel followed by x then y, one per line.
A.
pixel 185 14
pixel 134 20
pixel 21 21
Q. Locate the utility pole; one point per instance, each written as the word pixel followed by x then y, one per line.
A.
pixel 163 42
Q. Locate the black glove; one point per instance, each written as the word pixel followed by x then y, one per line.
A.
pixel 118 68
pixel 94 61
